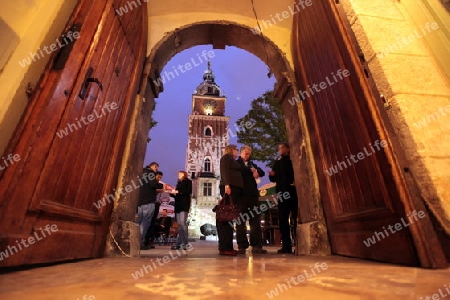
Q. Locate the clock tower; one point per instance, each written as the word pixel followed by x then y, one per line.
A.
pixel 207 138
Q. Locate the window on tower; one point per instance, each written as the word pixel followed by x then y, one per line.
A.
pixel 208 131
pixel 207 189
pixel 207 166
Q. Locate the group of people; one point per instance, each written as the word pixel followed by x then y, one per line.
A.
pixel 148 207
pixel 238 178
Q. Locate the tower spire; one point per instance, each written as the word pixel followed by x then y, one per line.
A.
pixel 209 85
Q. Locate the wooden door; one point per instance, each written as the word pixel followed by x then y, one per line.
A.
pixel 366 193
pixel 71 143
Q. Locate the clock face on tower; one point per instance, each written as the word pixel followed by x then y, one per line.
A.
pixel 209 106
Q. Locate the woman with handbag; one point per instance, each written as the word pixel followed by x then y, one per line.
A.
pixel 182 194
pixel 231 184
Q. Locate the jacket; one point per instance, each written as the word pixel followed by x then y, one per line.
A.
pixel 147 192
pixel 166 221
pixel 250 185
pixel 230 171
pixel 183 198
pixel 284 174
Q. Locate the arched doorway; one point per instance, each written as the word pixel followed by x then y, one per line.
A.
pixel 362 198
pixel 241 36
pixel 320 48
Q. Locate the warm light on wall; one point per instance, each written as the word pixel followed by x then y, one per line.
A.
pixel 208 111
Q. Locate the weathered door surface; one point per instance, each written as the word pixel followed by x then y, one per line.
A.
pixel 71 139
pixel 364 193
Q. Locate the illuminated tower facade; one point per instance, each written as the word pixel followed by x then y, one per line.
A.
pixel 207 138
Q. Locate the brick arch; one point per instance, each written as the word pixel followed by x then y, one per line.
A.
pixel 219 34
pixel 211 132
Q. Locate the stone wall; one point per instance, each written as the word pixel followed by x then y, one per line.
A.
pixel 123 230
pixel 25 26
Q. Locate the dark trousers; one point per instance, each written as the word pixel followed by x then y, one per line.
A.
pixel 288 209
pixel 156 232
pixel 151 233
pixel 224 229
pixel 246 207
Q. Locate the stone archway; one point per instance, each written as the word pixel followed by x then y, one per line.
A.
pixel 367 22
pixel 321 45
pixel 220 34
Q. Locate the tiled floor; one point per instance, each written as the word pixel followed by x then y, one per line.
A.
pixel 202 274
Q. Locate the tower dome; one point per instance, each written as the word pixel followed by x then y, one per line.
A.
pixel 208 86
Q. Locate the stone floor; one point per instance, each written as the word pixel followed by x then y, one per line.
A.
pixel 202 274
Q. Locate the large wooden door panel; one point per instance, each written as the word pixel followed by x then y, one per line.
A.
pixel 61 175
pixel 84 144
pixel 367 195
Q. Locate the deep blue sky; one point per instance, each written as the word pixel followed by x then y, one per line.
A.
pixel 242 78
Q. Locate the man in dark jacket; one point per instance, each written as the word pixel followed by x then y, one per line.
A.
pixel 147 198
pixel 249 200
pixel 283 174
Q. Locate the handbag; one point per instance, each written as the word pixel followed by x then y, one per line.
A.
pixel 226 210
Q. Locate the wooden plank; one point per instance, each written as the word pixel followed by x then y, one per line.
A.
pixel 104 125
pixel 90 136
pixel 69 165
pixel 61 174
pixel 109 132
pixel 355 198
pixel 35 141
pixel 128 212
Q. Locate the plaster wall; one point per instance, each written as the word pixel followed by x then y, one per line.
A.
pixel 26 26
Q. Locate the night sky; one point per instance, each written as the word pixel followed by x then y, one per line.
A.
pixel 242 78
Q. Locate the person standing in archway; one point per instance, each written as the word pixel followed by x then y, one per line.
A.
pixel 247 203
pixel 182 192
pixel 231 183
pixel 282 174
pixel 147 198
